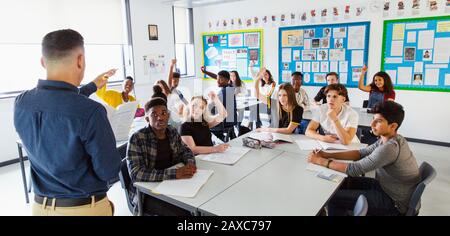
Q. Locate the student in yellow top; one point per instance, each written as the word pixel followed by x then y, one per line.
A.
pixel 115 98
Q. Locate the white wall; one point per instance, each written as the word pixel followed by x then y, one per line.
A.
pixel 425 117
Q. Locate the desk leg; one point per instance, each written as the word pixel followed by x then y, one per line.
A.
pixel 140 207
pixel 22 168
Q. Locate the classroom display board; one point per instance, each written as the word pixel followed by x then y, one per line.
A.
pixel 416 53
pixel 316 50
pixel 239 50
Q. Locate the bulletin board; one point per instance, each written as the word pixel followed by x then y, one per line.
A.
pixel 239 50
pixel 316 50
pixel 416 53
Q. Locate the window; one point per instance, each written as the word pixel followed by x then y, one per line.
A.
pixel 107 44
pixel 184 40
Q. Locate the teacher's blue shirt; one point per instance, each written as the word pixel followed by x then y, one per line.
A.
pixel 68 138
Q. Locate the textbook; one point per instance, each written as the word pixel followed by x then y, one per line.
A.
pixel 272 137
pixel 229 157
pixel 121 119
pixel 184 187
pixel 307 145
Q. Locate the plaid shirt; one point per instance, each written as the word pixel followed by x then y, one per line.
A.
pixel 141 156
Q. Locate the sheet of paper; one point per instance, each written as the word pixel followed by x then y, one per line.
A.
pixel 356 37
pixel 299 66
pixel 287 55
pixel 337 54
pixel 357 58
pixel 411 38
pixel 242 66
pixel 443 26
pixel 418 67
pixel 184 187
pixel 229 157
pixel 324 66
pixel 315 66
pixel 265 136
pixel 431 77
pixel 306 66
pixel 332 146
pixel 282 137
pixel 413 26
pixel 121 119
pixel 393 75
pixel 447 79
pixel 343 66
pixel 211 53
pixel 398 32
pixel 393 60
pixel 343 78
pixel 334 66
pixel 426 39
pixel 404 75
pixel 307 44
pixel 436 66
pixel 229 55
pixel 397 48
pixel 308 145
pixel 296 55
pixel 441 50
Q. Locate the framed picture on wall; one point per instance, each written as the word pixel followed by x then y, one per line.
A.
pixel 152 32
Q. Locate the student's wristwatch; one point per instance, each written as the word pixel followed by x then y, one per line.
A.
pixel 328 163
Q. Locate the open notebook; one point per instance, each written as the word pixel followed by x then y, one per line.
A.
pixel 121 119
pixel 229 157
pixel 184 187
pixel 311 144
pixel 272 137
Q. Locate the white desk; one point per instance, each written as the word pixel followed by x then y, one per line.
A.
pixel 282 187
pixel 224 176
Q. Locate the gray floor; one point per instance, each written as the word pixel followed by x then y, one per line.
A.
pixel 435 200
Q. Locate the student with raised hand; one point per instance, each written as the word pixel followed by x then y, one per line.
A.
pixel 289 112
pixel 227 97
pixel 397 173
pixel 381 88
pixel 195 131
pixel 338 120
pixel 165 88
pixel 235 81
pixel 300 93
pixel 264 85
pixel 174 81
pixel 151 154
pixel 68 138
pixel 116 98
pixel 321 97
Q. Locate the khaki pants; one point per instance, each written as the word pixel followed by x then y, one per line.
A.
pixel 100 208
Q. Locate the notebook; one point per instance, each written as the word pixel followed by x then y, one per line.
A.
pixel 229 157
pixel 272 137
pixel 307 145
pixel 184 187
pixel 121 119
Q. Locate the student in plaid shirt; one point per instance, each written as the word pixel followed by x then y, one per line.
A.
pixel 152 151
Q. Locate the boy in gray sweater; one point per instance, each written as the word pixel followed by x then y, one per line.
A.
pixel 397 172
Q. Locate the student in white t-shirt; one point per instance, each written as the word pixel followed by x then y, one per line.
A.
pixel 338 120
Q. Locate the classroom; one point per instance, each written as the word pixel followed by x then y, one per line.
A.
pixel 225 108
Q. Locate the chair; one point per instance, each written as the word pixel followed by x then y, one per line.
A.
pixel 427 173
pixel 125 181
pixel 361 206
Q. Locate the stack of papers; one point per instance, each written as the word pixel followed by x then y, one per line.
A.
pixel 272 137
pixel 184 187
pixel 307 145
pixel 121 119
pixel 230 157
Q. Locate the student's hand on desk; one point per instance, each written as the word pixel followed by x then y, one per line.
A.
pixel 186 172
pixel 102 79
pixel 221 148
pixel 262 130
pixel 315 159
pixel 329 138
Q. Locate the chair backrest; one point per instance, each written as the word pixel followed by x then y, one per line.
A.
pixel 125 181
pixel 427 174
pixel 361 206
